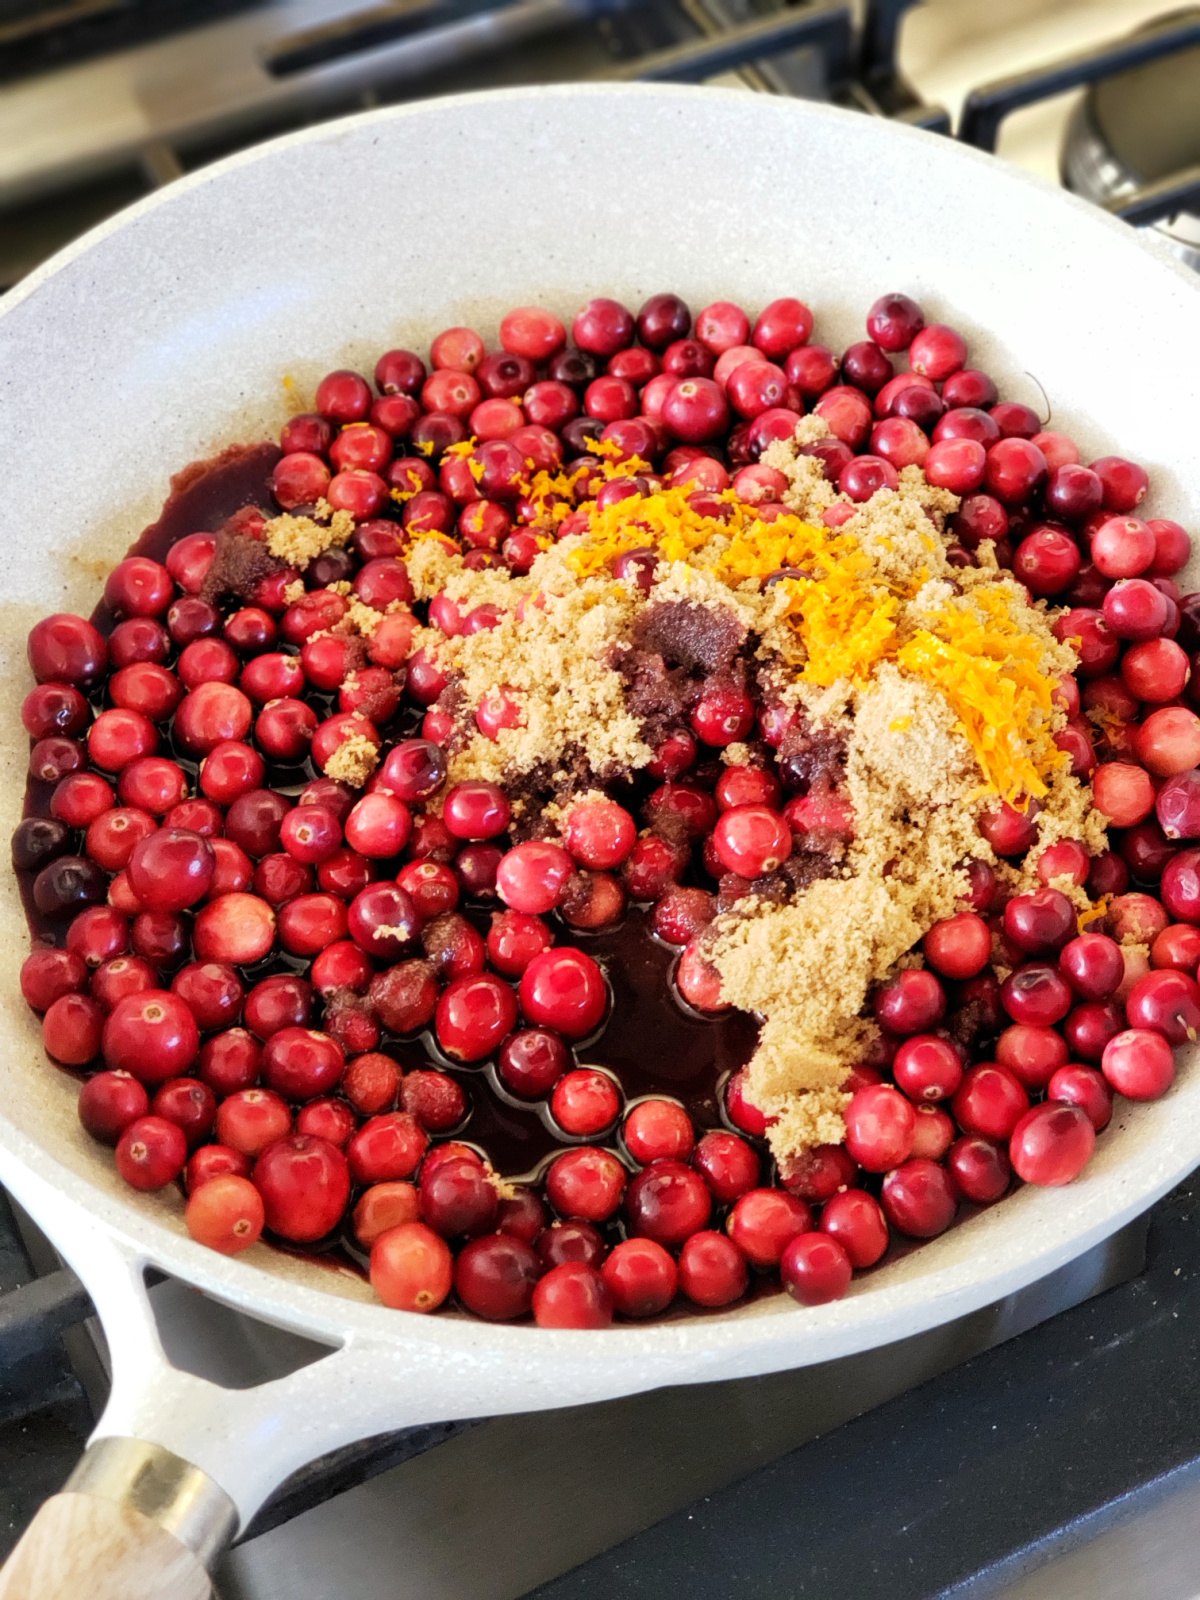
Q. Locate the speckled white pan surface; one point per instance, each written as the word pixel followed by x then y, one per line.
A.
pixel 169 332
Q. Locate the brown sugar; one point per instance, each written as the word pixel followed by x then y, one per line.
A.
pixel 299 540
pixel 921 694
pixel 354 760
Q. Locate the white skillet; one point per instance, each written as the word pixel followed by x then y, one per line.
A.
pixel 169 332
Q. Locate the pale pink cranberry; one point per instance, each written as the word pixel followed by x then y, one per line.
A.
pixel 1168 741
pixel 934 1133
pixel 236 928
pixel 1123 547
pixel 1157 670
pixel 1124 793
pixel 1052 1144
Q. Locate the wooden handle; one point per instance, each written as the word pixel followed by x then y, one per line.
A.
pixel 80 1547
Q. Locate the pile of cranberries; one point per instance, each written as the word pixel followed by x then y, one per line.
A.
pixel 232 948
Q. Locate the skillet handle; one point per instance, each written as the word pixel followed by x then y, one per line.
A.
pixel 133 1522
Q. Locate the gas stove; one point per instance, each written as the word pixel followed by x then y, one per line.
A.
pixel 1047 1446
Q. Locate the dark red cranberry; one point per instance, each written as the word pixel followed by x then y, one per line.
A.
pixel 980 1168
pixel 495 1277
pixel 457 1198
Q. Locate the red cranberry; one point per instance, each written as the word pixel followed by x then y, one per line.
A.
pixel 411 1268
pixel 600 834
pixel 458 1198
pixel 72 1029
pixel 152 1035
pixel 659 1129
pixel 980 1168
pixel 1167 1002
pixel 1085 1088
pixel 1052 1144
pixel 48 974
pixel 572 1295
pixel 495 1276
pixel 764 1221
pixel 251 1120
pixel 927 1068
pixel 305 1184
pixel 476 810
pixel 1039 921
pixel 1177 946
pixel 1139 1064
pixel 880 1124
pixel 109 1102
pixel 564 990
pixel 913 1002
pixel 190 1105
pixel 585 1102
pixel 524 1215
pixel 214 1161
pixel 66 649
pixel 151 1153
pixel 894 321
pixel 937 352
pixel 1037 994
pixel 229 1062
pixel 667 1202
pixel 856 1220
pixel 919 1199
pixel 959 946
pixel 586 1184
pixel 473 1016
pixel 727 1164
pixel 815 1269
pixel 819 1173
pixel 641 1277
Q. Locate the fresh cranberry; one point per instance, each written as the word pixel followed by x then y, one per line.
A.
pixel 381 1207
pixel 641 1277
pixel 856 1220
pixel 66 649
pixel 880 1124
pixel 980 1168
pixel 251 1120
pixel 476 810
pixel 188 1103
pixel 214 1161
pixel 237 928
pixel 894 321
pixel 564 990
pixel 919 1199
pixel 957 465
pixel 585 1102
pixel 572 1295
pixel 1177 946
pixel 473 1016
pixel 225 1213
pixel 667 1202
pixel 959 946
pixel 927 1068
pixel 229 1061
pixel 1139 1064
pixel 1040 921
pixel 1085 1088
pixel 68 885
pixel 72 1029
pixel 1052 1144
pixel 152 1035
pixel 937 352
pixel 764 1221
pixel 495 1276
pixel 586 1184
pixel 815 1269
pixel 151 1153
pixel 48 974
pixel 913 1002
pixel 411 1268
pixel 457 1198
pixel 109 1102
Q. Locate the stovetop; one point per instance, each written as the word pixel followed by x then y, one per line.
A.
pixel 1047 1448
